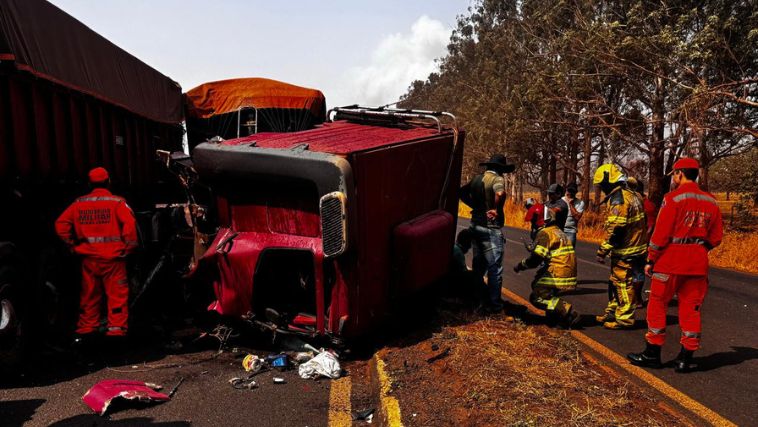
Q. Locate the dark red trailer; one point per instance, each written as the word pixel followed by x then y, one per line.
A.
pixel 322 229
pixel 70 100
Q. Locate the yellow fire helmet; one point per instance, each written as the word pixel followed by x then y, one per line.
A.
pixel 614 174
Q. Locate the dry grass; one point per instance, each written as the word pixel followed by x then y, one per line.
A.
pixel 738 250
pixel 503 372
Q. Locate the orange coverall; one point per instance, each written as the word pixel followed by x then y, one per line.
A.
pixel 688 226
pixel 101 228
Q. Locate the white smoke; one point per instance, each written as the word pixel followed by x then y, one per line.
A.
pixel 398 60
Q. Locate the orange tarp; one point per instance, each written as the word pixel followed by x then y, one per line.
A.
pixel 225 96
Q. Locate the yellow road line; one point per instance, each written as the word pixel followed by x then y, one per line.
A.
pixel 390 405
pixel 685 401
pixel 339 403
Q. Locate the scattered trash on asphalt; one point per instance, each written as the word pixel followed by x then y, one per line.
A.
pixel 176 387
pixel 243 383
pixel 324 364
pixel 365 415
pixel 304 356
pixel 439 355
pixel 280 361
pixel 279 380
pixel 252 363
pixel 100 396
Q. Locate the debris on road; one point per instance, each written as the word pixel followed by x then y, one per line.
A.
pixel 304 356
pixel 252 363
pixel 280 361
pixel 279 380
pixel 101 395
pixel 324 364
pixel 243 383
pixel 176 387
pixel 364 415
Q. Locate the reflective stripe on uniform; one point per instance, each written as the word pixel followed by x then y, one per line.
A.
pixel 688 240
pixel 655 247
pixel 103 239
pixel 634 250
pixel 606 246
pixel 562 251
pixel 695 196
pixel 661 277
pixel 621 220
pixel 689 334
pixel 557 281
pixel 552 303
pixel 541 251
pixel 656 331
pixel 99 199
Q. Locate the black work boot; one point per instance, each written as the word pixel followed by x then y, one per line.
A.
pixel 650 358
pixel 683 360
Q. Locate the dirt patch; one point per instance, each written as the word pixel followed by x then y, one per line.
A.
pixel 503 372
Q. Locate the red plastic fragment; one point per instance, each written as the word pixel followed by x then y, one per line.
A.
pixel 100 396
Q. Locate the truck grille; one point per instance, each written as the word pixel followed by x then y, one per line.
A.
pixel 333 224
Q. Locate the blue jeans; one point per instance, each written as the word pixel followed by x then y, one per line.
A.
pixel 572 237
pixel 488 247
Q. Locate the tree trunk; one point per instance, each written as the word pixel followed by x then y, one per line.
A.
pixel 553 170
pixel 657 144
pixel 586 177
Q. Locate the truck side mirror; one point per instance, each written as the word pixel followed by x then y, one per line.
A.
pixel 333 212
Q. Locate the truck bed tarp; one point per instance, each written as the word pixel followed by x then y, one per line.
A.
pixel 225 96
pixel 47 42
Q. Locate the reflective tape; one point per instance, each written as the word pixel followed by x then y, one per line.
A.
pixel 99 199
pixel 694 196
pixel 688 241
pixel 558 282
pixel 103 239
pixel 656 331
pixel 689 334
pixel 552 303
pixel 606 246
pixel 655 247
pixel 634 250
pixel 566 250
pixel 541 251
pixel 661 277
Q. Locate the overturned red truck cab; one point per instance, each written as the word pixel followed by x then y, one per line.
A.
pixel 322 230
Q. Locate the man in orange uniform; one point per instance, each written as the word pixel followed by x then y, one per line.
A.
pixel 101 228
pixel 688 226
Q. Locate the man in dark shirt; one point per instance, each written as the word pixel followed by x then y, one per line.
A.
pixel 485 194
pixel 557 204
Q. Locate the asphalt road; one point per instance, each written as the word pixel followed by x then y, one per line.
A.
pixel 52 396
pixel 726 380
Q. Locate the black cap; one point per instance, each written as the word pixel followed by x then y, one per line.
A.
pixel 555 189
pixel 498 162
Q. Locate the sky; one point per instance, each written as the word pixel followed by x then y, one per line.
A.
pixel 364 52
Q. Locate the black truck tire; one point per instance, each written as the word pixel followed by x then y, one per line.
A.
pixel 12 339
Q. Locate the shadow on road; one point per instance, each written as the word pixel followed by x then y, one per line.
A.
pixel 18 412
pixel 585 291
pixel 725 358
pixel 96 420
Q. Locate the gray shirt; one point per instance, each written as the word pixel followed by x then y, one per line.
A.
pixel 570 221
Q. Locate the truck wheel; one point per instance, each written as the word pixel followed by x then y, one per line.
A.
pixel 11 325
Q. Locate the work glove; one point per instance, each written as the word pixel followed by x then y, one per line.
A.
pixel 519 267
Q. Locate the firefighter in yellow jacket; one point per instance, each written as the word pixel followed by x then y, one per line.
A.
pixel 555 256
pixel 626 243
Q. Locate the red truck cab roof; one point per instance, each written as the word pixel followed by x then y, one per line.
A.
pixel 340 137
